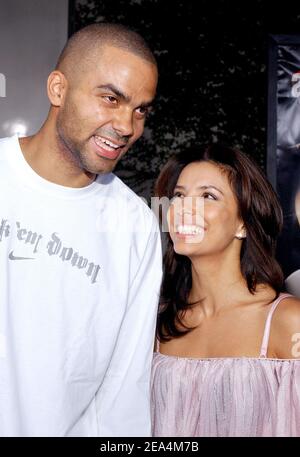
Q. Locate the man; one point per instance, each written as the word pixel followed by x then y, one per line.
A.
pixel 80 253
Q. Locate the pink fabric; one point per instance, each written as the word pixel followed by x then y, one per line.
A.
pixel 240 396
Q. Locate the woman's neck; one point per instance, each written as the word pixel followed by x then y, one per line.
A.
pixel 217 281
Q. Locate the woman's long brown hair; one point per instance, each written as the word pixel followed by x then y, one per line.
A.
pixel 258 207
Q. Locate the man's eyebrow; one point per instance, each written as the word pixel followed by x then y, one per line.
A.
pixel 115 90
pixel 201 187
pixel 118 93
pixel 146 104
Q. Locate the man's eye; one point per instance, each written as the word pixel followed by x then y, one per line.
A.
pixel 143 110
pixel 111 99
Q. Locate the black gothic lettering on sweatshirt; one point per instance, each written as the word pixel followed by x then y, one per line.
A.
pixel 28 236
pixel 67 254
pixel 4 229
pixel 55 247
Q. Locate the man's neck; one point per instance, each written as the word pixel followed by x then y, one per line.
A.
pixel 44 155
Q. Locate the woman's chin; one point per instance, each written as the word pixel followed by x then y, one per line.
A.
pixel 183 248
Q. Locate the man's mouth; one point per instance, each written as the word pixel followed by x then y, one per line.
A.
pixel 107 148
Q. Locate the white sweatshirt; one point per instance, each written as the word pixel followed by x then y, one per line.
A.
pixel 80 272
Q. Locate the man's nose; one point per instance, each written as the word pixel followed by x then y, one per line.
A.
pixel 123 123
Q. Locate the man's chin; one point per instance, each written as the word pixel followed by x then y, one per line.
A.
pixel 95 165
pixel 101 168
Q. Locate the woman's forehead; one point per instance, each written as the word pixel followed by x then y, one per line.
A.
pixel 202 172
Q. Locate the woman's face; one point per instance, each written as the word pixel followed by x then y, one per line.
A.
pixel 203 216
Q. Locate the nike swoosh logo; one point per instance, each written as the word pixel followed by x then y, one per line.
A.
pixel 12 257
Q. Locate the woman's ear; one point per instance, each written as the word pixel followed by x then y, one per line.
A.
pixel 241 233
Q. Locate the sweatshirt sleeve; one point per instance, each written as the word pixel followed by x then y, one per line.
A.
pixel 123 400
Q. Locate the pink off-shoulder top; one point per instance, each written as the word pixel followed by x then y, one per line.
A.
pixel 240 396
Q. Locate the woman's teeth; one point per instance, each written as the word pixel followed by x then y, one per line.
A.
pixel 189 230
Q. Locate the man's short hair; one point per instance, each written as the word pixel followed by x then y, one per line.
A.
pixel 94 36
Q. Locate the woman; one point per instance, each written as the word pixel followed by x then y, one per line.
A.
pixel 220 367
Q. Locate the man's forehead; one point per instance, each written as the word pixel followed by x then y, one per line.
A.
pixel 123 72
pixel 120 70
pixel 117 54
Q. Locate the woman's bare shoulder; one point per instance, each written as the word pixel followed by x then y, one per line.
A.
pixel 286 328
pixel 288 311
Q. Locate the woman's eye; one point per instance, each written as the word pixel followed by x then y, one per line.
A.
pixel 209 196
pixel 177 194
pixel 176 197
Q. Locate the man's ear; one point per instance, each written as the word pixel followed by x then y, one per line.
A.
pixel 56 87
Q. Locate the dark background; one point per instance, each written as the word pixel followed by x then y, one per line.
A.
pixel 212 58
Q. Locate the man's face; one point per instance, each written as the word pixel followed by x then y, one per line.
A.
pixel 104 109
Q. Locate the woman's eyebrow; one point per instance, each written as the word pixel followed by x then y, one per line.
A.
pixel 209 186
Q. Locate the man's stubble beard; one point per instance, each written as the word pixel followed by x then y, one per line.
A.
pixel 74 152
